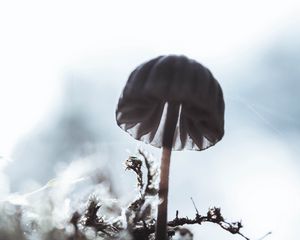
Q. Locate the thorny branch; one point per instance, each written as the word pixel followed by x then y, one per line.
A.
pixel 135 213
pixel 135 164
pixel 152 174
pixel 91 219
pixel 214 216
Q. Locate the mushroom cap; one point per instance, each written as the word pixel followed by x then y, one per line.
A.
pixel 141 110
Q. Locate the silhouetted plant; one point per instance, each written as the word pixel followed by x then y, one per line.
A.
pixel 136 221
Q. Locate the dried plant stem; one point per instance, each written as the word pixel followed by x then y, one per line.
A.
pixel 161 225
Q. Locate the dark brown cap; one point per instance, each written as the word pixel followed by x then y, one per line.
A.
pixel 173 79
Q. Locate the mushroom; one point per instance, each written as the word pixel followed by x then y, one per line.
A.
pixel 174 103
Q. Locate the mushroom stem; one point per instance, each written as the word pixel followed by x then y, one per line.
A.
pixel 162 214
pixel 168 136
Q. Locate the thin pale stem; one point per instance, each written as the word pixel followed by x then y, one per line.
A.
pixel 161 224
pixel 167 142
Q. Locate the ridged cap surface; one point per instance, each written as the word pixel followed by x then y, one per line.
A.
pixel 151 86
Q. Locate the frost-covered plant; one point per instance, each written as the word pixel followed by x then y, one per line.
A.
pixel 100 218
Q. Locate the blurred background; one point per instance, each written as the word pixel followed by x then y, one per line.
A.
pixel 63 65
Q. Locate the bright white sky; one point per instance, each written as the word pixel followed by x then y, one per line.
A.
pixel 42 39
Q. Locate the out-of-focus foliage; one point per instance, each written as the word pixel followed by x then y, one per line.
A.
pixel 41 216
